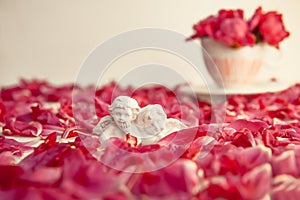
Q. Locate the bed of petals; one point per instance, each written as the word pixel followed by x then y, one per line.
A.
pixel 255 154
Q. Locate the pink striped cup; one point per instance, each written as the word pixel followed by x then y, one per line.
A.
pixel 231 67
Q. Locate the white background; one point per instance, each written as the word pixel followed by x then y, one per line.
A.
pixel 50 39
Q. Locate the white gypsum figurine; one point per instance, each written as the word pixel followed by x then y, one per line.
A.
pixel 152 125
pixel 123 111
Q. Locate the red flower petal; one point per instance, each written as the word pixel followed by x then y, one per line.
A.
pixel 285 187
pixel 256 183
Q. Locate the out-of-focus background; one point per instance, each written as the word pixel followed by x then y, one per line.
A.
pixel 50 39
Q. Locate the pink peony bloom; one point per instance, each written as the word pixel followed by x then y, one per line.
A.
pixel 234 32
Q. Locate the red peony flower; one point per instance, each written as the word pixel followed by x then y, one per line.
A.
pixel 206 27
pixel 272 29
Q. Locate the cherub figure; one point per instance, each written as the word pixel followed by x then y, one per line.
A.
pixel 123 111
pixel 148 125
pixel 152 125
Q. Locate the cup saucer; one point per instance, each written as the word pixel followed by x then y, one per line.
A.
pixel 205 92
